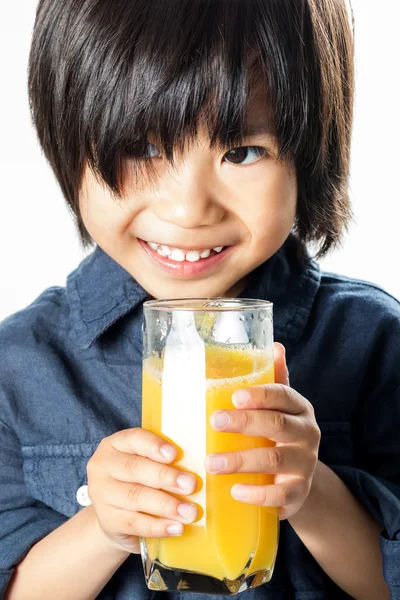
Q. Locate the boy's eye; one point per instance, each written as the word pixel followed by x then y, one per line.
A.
pixel 152 151
pixel 245 155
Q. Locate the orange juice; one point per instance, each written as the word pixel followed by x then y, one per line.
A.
pixel 231 538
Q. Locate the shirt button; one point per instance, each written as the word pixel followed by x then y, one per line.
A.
pixel 82 496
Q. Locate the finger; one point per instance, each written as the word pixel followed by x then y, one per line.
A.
pixel 143 442
pixel 290 460
pixel 136 469
pixel 138 498
pixel 280 366
pixel 141 525
pixel 275 495
pixel 274 425
pixel 272 396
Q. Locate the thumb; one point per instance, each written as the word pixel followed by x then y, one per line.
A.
pixel 281 370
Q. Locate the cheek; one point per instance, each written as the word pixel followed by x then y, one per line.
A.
pixel 272 212
pixel 102 213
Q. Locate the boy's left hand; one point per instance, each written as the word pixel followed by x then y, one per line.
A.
pixel 281 414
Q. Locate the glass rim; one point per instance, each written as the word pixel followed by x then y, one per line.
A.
pixel 208 304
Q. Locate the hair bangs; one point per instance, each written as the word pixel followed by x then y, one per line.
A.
pixel 169 67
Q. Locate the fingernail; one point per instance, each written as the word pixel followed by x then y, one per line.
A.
pixel 216 462
pixel 239 492
pixel 187 511
pixel 175 529
pixel 220 419
pixel 241 397
pixel 168 451
pixel 187 483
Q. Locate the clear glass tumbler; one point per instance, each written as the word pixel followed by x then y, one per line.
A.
pixel 197 352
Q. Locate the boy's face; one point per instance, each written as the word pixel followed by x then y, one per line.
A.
pixel 239 200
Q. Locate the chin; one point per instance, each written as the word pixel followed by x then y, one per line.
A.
pixel 193 290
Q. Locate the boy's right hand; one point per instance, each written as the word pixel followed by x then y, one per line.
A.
pixel 129 478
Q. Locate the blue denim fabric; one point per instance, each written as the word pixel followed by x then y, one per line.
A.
pixel 70 374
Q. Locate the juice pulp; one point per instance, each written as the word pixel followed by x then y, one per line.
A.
pixel 230 532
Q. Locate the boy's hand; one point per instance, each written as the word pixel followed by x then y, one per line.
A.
pixel 277 412
pixel 128 476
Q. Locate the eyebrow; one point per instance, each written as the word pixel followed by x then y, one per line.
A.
pixel 252 129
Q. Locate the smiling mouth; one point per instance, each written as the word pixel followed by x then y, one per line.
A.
pixel 185 263
pixel 180 255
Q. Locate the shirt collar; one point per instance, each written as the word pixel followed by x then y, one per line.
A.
pixel 100 292
pixel 290 279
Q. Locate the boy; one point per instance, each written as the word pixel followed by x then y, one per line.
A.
pixel 200 145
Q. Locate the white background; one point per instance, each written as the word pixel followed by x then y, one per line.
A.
pixel 38 243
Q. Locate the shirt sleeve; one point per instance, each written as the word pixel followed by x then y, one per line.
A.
pixel 23 521
pixel 376 480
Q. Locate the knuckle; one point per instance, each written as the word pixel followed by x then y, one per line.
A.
pixel 131 463
pixel 275 459
pixel 127 434
pixel 131 524
pixel 262 462
pixel 317 433
pixel 246 419
pixel 93 465
pixel 287 392
pixel 282 388
pixel 134 493
pixel 313 432
pixel 310 408
pixel 279 421
pixel 133 431
pixel 165 506
pixel 312 457
pixel 164 474
pixel 239 461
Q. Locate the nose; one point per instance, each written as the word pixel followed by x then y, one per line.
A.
pixel 186 198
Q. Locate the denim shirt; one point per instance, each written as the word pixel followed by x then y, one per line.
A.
pixel 70 375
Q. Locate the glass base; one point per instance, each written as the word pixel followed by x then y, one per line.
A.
pixel 161 578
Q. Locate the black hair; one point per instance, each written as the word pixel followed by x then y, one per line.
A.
pixel 105 73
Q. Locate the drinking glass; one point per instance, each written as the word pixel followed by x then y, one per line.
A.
pixel 197 352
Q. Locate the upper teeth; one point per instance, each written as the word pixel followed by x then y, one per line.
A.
pixel 180 255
